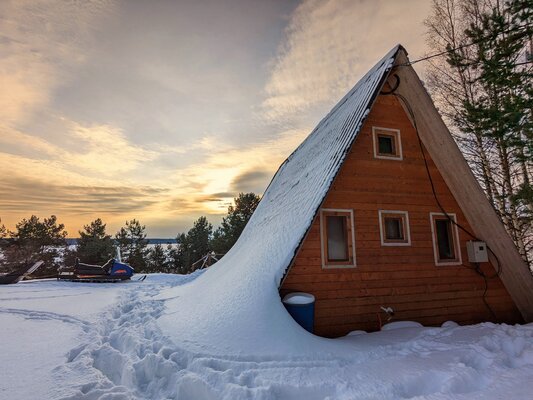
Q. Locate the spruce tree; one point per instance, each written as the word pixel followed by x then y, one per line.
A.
pixel 197 241
pixel 233 224
pixel 179 260
pixel 94 245
pixel 3 230
pixel 192 246
pixel 483 90
pixel 132 242
pixel 157 260
pixel 501 112
pixel 35 240
pixel 3 243
pixel 3 236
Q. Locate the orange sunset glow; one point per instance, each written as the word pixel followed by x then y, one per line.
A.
pixel 164 111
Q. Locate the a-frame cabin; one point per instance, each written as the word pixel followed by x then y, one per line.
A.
pixel 363 157
pixel 400 206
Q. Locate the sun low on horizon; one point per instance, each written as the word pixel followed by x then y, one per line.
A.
pixel 164 111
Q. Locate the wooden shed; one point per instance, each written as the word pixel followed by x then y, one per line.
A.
pixel 396 217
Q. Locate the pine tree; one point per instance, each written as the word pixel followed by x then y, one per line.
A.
pixel 3 230
pixel 132 242
pixel 484 91
pixel 3 242
pixel 234 223
pixel 192 246
pixel 3 235
pixel 501 112
pixel 34 240
pixel 157 260
pixel 178 260
pixel 94 245
pixel 198 239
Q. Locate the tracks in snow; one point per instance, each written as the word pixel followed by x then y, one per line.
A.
pixel 125 356
pixel 115 354
pixel 46 315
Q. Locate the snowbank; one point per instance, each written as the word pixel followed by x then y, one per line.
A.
pixel 39 322
pixel 234 308
pixel 111 347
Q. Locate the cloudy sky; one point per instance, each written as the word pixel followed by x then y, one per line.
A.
pixel 165 110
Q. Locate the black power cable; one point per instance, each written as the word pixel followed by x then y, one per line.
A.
pixel 476 267
pixel 525 27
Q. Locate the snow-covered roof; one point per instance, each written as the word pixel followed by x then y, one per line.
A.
pixel 296 192
pixel 247 278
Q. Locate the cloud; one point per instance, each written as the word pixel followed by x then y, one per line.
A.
pixel 328 45
pixel 75 204
pixel 106 151
pixel 16 142
pixel 230 169
pixel 252 181
pixel 155 120
pixel 40 40
pixel 102 152
pixel 21 194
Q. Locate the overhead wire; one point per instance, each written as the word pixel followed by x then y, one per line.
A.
pixel 476 267
pixel 463 46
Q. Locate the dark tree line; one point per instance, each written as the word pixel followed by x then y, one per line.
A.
pixel 201 239
pixel 34 240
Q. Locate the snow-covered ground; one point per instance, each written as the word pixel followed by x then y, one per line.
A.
pixel 61 340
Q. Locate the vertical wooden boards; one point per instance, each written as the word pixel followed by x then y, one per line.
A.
pixel 402 277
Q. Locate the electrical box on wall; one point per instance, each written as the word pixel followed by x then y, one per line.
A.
pixel 477 251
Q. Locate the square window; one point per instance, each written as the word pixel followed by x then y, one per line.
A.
pixel 445 239
pixel 394 228
pixel 337 238
pixel 387 143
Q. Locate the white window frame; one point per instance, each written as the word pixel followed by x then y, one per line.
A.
pixel 407 228
pixel 455 234
pixel 323 255
pixel 398 139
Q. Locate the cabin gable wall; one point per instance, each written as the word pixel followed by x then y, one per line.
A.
pixel 403 277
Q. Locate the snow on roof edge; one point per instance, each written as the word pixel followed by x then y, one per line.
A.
pixel 382 68
pixel 234 307
pixel 391 55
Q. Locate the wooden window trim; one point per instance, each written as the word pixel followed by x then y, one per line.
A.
pixel 351 263
pixel 404 215
pixel 455 236
pixel 376 131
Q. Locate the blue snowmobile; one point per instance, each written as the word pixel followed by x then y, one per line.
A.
pixel 111 271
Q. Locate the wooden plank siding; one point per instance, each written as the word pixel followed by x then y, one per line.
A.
pixel 404 278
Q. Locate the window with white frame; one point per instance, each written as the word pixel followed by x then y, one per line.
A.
pixel 387 143
pixel 445 235
pixel 337 238
pixel 394 228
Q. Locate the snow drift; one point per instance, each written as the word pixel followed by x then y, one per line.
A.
pixel 234 307
pixel 78 341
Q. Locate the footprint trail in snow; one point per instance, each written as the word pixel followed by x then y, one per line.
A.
pixel 125 355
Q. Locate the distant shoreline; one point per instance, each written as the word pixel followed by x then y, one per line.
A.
pixel 74 241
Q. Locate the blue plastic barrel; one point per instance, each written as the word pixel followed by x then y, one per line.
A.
pixel 301 306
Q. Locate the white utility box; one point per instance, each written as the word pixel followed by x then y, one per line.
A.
pixel 477 251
